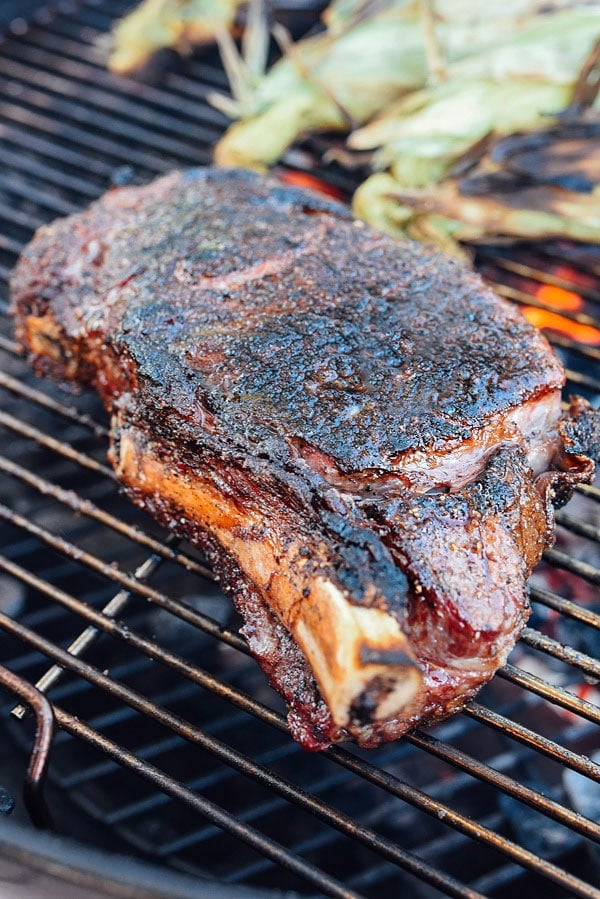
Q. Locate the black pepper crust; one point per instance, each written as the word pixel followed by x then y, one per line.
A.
pixel 246 317
pixel 257 346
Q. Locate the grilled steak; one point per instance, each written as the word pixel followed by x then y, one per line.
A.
pixel 365 441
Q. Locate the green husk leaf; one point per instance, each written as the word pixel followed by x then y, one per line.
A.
pixel 423 134
pixel 372 54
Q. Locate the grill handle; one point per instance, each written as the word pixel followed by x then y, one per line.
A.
pixel 33 784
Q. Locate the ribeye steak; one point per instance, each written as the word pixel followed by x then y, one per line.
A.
pixel 365 441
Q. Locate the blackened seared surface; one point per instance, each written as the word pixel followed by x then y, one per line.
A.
pixel 261 316
pixel 255 345
pixel 487 536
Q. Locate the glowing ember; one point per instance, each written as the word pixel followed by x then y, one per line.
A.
pixel 559 298
pixel 573 275
pixel 553 321
pixel 304 179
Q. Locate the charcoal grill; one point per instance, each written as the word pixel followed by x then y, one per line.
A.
pixel 160 738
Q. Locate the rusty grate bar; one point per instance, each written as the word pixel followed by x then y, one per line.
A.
pixel 245 765
pixel 367 771
pixel 86 507
pixel 266 846
pixel 566 607
pixel 126 581
pixel 7 382
pixel 473 767
pixel 509 672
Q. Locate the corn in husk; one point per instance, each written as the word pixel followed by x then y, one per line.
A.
pixel 515 88
pixel 540 183
pixel 517 84
pixel 371 54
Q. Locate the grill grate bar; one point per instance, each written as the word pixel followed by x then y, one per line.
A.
pixel 445 844
pixel 551 647
pixel 122 130
pixel 75 37
pixel 465 825
pixel 85 507
pixel 18 162
pixel 153 750
pixel 263 844
pixel 545 277
pixel 39 64
pixel 17 217
pixel 590 491
pixel 194 838
pixel 39 170
pixel 116 105
pixel 583 528
pixel 526 299
pixel 89 636
pixel 58 36
pixel 90 163
pixel 402 790
pixel 245 765
pixel 143 806
pixel 579 379
pixel 565 606
pixel 509 728
pixel 560 559
pixel 336 819
pixel 65 132
pixel 591 353
pixel 129 583
pixel 58 446
pixel 28 190
pixel 9 245
pixel 508 785
pixel 376 873
pixel 553 694
pixel 20 388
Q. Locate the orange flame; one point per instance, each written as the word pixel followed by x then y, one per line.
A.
pixel 553 321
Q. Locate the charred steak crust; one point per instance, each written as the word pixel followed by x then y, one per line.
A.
pixel 346 424
pixel 340 344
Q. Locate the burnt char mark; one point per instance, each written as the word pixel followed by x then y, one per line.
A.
pixel 581 429
pixel 315 327
pixel 367 572
pixel 365 705
pixel 370 656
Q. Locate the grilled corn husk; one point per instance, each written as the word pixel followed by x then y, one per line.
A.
pixel 540 183
pixel 374 57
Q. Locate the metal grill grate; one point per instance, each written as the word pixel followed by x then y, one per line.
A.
pixel 168 738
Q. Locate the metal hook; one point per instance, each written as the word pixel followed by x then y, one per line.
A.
pixel 33 785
